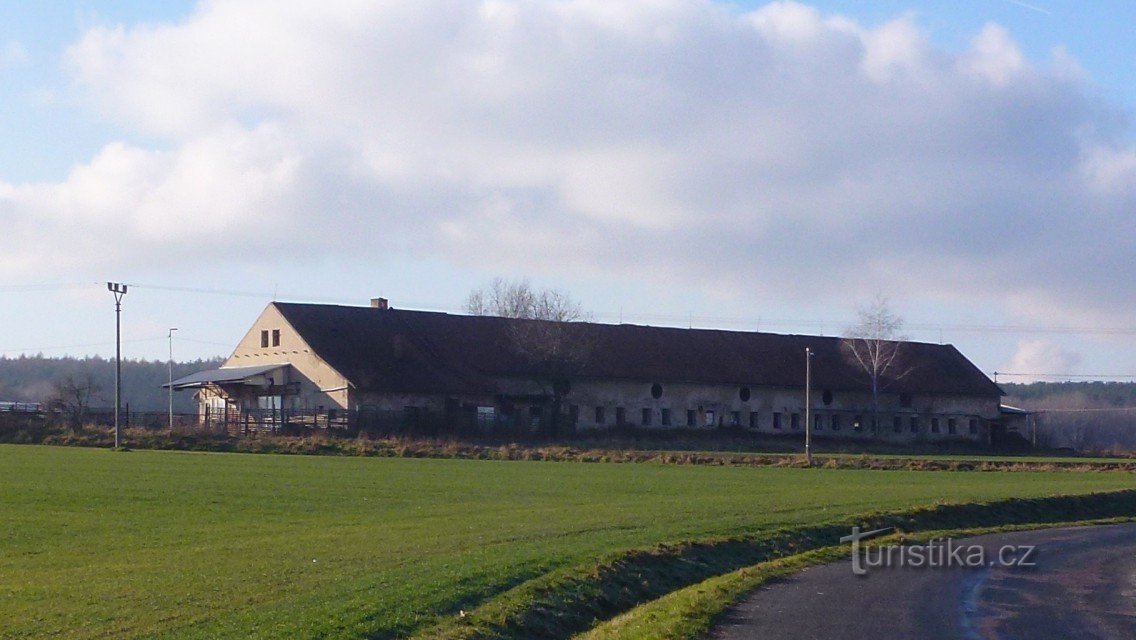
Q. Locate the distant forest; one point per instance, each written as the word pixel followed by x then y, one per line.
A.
pixel 36 379
pixel 1095 417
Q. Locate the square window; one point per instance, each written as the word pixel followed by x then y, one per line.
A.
pixel 276 337
pixel 735 418
pixel 836 422
pixel 620 416
pixel 952 426
pixel 600 417
pixel 816 422
pixel 858 423
pixel 897 424
pixel 776 420
pixel 646 417
pixel 973 426
pixel 691 418
pixel 711 419
pixel 913 425
pixel 264 339
pixel 754 421
pixel 795 421
pixel 666 417
pixel 934 425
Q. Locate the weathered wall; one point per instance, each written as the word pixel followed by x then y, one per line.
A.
pixel 772 409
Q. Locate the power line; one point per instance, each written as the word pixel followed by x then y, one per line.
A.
pixel 687 319
pixel 1128 376
pixel 821 327
pixel 1105 410
pixel 221 292
pixel 676 319
pixel 210 342
pixel 78 346
pixel 243 294
pixel 50 286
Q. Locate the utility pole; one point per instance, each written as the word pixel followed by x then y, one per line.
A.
pixel 119 290
pixel 808 406
pixel 170 386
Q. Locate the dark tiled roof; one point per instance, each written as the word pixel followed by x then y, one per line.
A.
pixel 420 351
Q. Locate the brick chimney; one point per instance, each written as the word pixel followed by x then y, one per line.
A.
pixel 380 303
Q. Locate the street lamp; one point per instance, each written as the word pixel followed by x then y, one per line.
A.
pixel 808 406
pixel 171 383
pixel 119 290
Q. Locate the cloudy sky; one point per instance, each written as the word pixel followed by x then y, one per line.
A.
pixel 740 165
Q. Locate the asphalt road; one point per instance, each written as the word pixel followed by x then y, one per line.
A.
pixel 1082 584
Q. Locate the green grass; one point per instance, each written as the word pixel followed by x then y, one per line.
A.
pixel 196 545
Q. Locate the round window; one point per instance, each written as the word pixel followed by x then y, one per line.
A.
pixel 656 391
pixel 743 393
pixel 826 397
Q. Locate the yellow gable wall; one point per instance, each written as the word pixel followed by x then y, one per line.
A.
pixel 320 384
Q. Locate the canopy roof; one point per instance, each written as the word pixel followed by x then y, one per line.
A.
pixel 225 375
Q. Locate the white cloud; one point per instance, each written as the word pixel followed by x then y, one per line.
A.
pixel 892 48
pixel 1040 360
pixel 995 56
pixel 676 141
pixel 130 204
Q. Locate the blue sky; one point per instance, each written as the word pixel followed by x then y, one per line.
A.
pixel 744 166
pixel 1096 34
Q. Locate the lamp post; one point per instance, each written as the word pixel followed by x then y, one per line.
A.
pixel 119 290
pixel 170 386
pixel 808 407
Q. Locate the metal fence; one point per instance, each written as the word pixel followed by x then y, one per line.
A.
pixel 411 422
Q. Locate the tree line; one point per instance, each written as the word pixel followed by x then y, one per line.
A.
pixel 1094 417
pixel 90 381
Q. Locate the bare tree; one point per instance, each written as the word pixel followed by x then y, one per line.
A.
pixel 518 299
pixel 875 346
pixel 71 397
pixel 549 337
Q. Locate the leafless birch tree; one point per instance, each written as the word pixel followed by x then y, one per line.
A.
pixel 875 346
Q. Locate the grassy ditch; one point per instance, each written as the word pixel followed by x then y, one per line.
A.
pixel 690 613
pixel 571 601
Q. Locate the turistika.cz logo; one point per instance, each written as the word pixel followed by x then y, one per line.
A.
pixel 938 553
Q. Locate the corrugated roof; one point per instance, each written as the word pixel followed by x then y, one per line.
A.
pixel 421 351
pixel 224 374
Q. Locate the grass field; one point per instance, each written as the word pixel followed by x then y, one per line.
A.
pixel 100 544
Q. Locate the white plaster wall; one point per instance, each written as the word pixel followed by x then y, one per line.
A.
pixel 320 384
pixel 724 400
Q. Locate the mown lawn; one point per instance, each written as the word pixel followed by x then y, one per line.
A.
pixel 98 544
